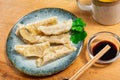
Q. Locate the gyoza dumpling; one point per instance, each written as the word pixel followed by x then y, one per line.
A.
pixel 32 27
pixel 27 37
pixel 56 29
pixel 59 39
pixel 30 38
pixel 36 50
pixel 54 53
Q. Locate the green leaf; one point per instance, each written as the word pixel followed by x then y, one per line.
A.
pixel 78 22
pixel 77 31
pixel 77 28
pixel 78 36
pixel 83 35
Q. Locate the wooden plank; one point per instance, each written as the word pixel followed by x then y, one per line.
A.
pixel 12 10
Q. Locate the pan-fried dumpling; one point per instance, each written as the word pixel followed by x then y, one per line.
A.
pixel 47 40
pixel 59 39
pixel 54 53
pixel 56 29
pixel 30 38
pixel 36 50
pixel 26 35
pixel 32 27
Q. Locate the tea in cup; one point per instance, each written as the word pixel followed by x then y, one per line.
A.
pixel 106 12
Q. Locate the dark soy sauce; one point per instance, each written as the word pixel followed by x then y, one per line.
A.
pixel 110 54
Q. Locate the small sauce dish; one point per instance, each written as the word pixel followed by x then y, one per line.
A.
pixel 99 41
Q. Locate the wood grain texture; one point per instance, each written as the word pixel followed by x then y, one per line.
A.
pixel 12 10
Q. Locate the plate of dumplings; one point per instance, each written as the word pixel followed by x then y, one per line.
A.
pixel 39 43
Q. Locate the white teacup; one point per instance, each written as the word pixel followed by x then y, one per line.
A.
pixel 106 13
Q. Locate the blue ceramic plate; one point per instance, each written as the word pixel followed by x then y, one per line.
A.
pixel 28 66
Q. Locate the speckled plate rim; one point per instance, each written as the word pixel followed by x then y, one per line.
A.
pixel 7 51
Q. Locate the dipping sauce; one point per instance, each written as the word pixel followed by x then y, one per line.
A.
pixel 110 54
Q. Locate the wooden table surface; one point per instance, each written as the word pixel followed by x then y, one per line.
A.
pixel 12 10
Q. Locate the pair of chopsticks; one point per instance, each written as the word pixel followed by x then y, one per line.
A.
pixel 90 63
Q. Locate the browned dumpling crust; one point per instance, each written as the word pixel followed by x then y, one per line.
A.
pixel 46 40
pixel 36 50
pixel 54 53
pixel 56 29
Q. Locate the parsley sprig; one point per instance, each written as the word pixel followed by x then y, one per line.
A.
pixel 77 31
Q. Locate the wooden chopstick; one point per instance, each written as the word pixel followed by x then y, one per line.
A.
pixel 91 62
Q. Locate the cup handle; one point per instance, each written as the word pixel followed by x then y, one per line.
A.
pixel 84 7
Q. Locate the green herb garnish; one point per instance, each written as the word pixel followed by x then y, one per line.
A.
pixel 77 31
